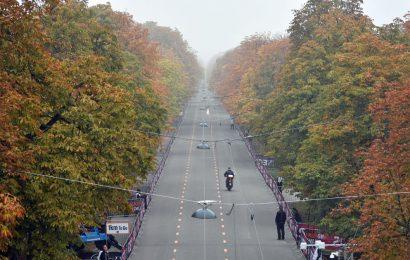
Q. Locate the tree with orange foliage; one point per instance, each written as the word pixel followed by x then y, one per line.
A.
pixel 318 120
pixel 385 220
pixel 22 59
pixel 173 45
pixel 77 98
pixel 10 211
pixel 231 68
pixel 259 81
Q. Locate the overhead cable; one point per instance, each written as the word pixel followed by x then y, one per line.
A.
pixel 107 186
pixel 224 203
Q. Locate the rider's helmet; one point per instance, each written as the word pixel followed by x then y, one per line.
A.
pixel 229 168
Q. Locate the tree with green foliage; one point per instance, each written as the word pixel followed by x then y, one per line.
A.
pixel 317 115
pixel 173 44
pixel 175 80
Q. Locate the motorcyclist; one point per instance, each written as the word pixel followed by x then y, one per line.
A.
pixel 229 172
pixel 226 174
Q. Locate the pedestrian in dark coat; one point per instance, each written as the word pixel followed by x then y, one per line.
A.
pixel 280 184
pixel 280 221
pixel 103 254
pixel 143 196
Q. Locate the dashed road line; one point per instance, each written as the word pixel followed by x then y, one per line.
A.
pixel 221 213
pixel 182 195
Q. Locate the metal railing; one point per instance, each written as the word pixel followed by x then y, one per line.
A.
pixel 130 243
pixel 298 234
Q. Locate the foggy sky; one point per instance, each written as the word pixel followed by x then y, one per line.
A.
pixel 214 26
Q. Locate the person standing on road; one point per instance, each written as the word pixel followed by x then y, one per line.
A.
pixel 280 221
pixel 103 254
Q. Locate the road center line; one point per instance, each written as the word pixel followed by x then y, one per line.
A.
pixel 183 187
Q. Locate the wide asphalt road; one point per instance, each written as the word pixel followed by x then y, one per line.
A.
pixel 169 231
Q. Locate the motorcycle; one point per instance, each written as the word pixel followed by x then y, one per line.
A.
pixel 229 181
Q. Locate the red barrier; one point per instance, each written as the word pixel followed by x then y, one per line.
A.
pixel 300 232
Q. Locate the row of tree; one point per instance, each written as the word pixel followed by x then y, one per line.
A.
pixel 81 89
pixel 332 104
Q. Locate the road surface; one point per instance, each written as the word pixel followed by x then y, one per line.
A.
pixel 169 231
